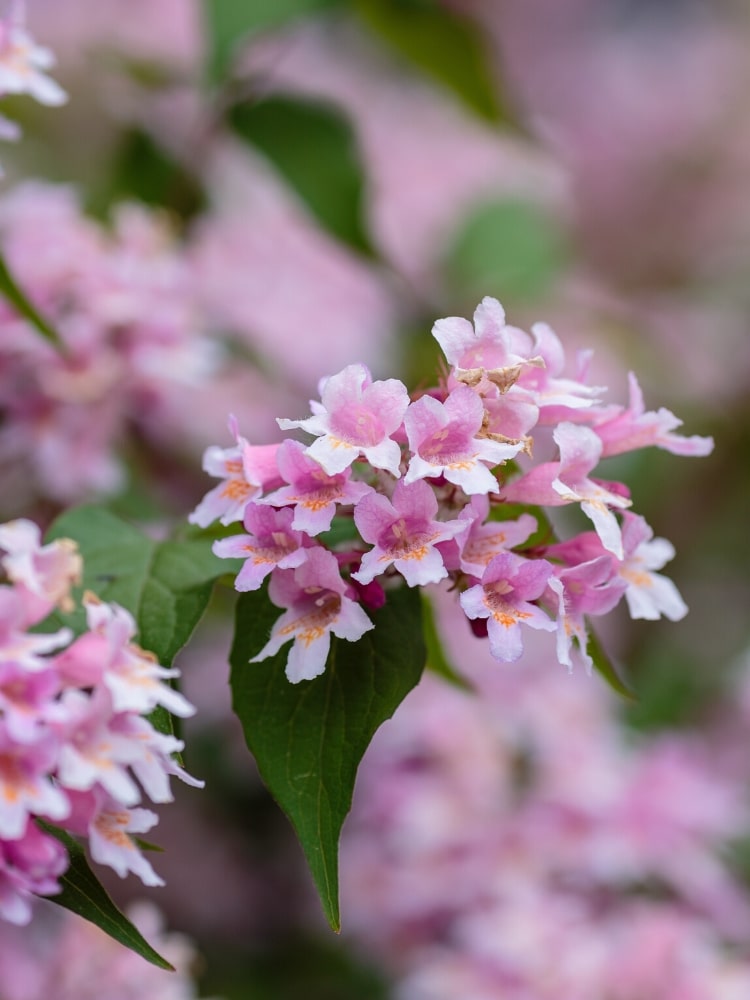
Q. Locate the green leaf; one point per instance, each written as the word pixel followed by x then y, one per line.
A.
pixel 166 585
pixel 83 893
pixel 313 147
pixel 309 738
pixel 507 248
pixel 437 661
pixel 603 664
pixel 12 292
pixel 441 43
pixel 230 21
pixel 144 171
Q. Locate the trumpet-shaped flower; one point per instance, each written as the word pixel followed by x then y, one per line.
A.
pixel 481 540
pixel 648 595
pixel 46 571
pixel 271 542
pixel 245 471
pixel 22 66
pixel 593 588
pixel 111 843
pixel 566 481
pixel 509 585
pixel 314 596
pixel 311 490
pixel 357 417
pixel 445 441
pixel 404 532
pixel 635 427
pixel 26 788
pixel 487 353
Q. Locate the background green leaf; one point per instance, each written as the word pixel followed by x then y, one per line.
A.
pixel 14 294
pixel 83 893
pixel 313 146
pixel 309 738
pixel 441 43
pixel 165 585
pixel 230 21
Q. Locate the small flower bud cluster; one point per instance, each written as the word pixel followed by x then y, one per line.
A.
pixel 76 748
pixel 431 489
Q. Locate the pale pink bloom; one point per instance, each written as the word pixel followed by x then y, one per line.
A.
pixel 111 843
pixel 18 611
pixel 404 532
pixel 106 654
pixel 245 470
pixel 25 698
pixel 270 543
pixel 311 490
pixel 445 441
pixel 489 352
pixel 153 762
pixel 22 65
pixel 357 417
pixel 589 588
pixel 92 753
pixel 566 481
pixel 509 585
pixel 31 864
pixel 316 602
pixel 47 571
pixel 635 427
pixel 544 381
pixel 481 539
pixel 648 594
pixel 26 788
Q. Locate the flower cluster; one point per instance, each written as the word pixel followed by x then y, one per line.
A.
pixel 543 854
pixel 432 488
pixel 76 748
pixel 124 304
pixel 22 66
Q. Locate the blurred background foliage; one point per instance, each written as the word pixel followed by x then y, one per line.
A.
pixel 618 220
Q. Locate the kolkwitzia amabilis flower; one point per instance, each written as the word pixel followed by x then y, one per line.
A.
pixel 356 416
pixel 504 597
pixel 445 441
pixel 76 748
pixel 470 505
pixel 317 605
pixel 404 532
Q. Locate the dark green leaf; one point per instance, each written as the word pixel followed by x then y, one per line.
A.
pixel 230 21
pixel 603 664
pixel 313 147
pixel 309 738
pixel 166 585
pixel 144 171
pixel 441 43
pixel 83 893
pixel 507 248
pixel 437 661
pixel 12 292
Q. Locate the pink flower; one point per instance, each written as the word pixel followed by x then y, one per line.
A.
pixel 566 481
pixel 245 470
pixel 313 492
pixel 503 597
pixel 31 864
pixel 110 842
pixel 488 353
pixel 22 65
pixel 105 654
pixel 648 594
pixel 25 698
pixel 19 610
pixel 271 543
pixel 26 788
pixel 481 540
pixel 444 439
pixel 631 428
pixel 46 571
pixel 357 417
pixel 404 532
pixel 589 588
pixel 316 602
pixel 543 381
